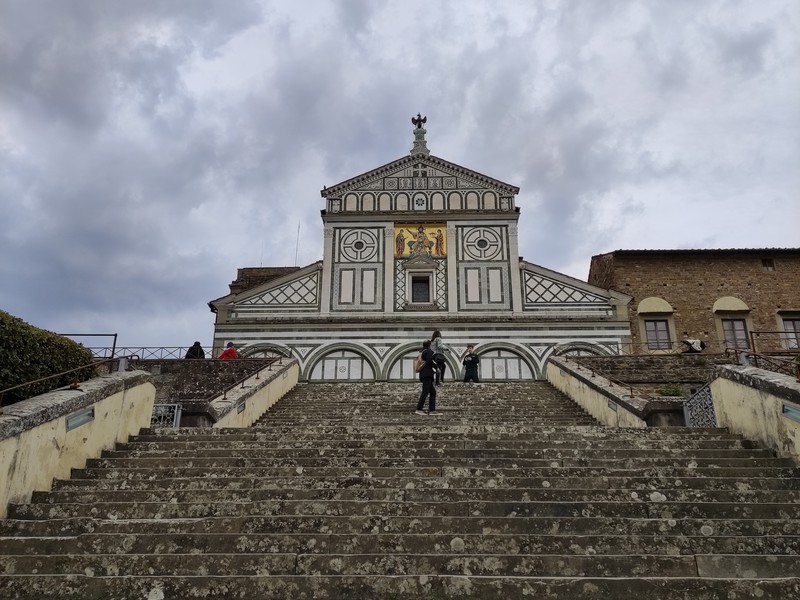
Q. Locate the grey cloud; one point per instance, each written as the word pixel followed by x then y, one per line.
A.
pixel 745 50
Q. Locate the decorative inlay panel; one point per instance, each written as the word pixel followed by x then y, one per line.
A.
pixel 358 245
pixel 300 292
pixel 542 290
pixel 483 243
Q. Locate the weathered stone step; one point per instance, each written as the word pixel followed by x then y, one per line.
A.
pixel 397 587
pixel 432 483
pixel 411 471
pixel 438 429
pixel 443 563
pixel 433 452
pixel 386 524
pixel 645 508
pixel 479 461
pixel 370 543
pixel 389 442
pixel 399 494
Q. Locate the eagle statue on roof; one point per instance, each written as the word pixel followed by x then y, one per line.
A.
pixel 419 120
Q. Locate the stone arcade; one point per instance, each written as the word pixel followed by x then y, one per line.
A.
pixel 415 245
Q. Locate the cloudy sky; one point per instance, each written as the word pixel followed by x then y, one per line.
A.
pixel 148 149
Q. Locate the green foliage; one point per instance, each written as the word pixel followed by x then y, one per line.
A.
pixel 671 389
pixel 28 353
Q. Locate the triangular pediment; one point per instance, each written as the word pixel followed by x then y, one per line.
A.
pixel 298 290
pixel 420 261
pixel 419 172
pixel 543 287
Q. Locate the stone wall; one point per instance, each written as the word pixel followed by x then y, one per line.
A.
pixel 658 369
pixel 759 405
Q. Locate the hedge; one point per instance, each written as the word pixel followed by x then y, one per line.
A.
pixel 28 353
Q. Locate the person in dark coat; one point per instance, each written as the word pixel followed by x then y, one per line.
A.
pixel 470 363
pixel 196 351
pixel 426 375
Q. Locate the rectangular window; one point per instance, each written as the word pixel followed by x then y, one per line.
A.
pixel 768 264
pixel 420 289
pixel 657 332
pixel 792 329
pixel 735 332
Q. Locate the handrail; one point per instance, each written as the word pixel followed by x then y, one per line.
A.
pixel 74 385
pixel 240 382
pixel 612 380
pixel 768 362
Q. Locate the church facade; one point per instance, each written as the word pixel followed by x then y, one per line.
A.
pixel 417 245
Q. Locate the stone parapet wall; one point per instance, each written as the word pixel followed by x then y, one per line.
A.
pixel 760 405
pixel 611 404
pixel 36 445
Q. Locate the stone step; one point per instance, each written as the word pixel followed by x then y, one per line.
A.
pixel 325 460
pixel 475 508
pixel 397 587
pixel 421 471
pixel 388 442
pixel 399 494
pixel 434 483
pixel 340 491
pixel 388 524
pixel 369 543
pixel 433 452
pixel 441 563
pixel 438 429
pixel 105 565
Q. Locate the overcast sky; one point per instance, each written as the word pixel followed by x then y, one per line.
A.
pixel 148 149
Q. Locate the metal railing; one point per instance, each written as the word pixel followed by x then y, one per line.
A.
pixel 240 382
pixel 109 351
pixel 146 352
pixel 764 342
pixel 166 415
pixel 786 365
pixel 75 383
pixel 614 382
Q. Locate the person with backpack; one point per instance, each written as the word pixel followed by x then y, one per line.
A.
pixel 439 349
pixel 426 373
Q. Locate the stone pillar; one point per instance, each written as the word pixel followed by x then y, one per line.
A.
pixel 388 268
pixel 514 271
pixel 327 271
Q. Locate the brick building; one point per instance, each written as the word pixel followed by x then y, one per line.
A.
pixel 726 298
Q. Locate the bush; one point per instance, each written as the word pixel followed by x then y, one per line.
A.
pixel 28 353
pixel 671 389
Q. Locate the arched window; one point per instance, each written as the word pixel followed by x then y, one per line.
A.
pixel 342 365
pixel 732 317
pixel 403 368
pixel 503 365
pixel 656 324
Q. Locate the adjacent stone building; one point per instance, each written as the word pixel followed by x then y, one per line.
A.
pixel 412 246
pixel 733 298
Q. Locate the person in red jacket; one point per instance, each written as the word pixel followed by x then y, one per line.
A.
pixel 230 352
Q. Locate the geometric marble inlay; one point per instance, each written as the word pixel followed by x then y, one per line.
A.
pixel 540 290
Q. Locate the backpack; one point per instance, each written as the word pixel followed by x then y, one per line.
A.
pixel 419 363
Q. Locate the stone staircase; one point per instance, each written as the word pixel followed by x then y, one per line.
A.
pixel 341 491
